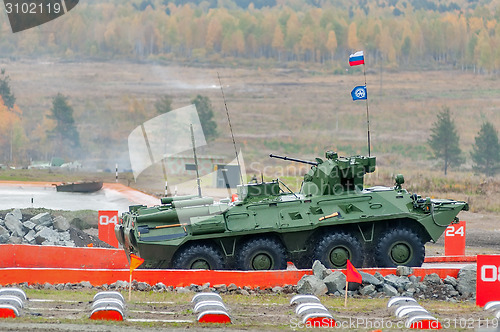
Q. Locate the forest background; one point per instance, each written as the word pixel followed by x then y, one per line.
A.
pixel 284 65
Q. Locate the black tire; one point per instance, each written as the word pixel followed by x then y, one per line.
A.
pixel 334 249
pixel 399 247
pixel 261 254
pixel 198 256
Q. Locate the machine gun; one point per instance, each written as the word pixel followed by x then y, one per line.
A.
pixel 314 163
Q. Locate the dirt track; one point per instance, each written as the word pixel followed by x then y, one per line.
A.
pixel 249 312
pixel 482 235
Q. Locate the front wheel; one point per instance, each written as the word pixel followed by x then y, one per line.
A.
pixel 399 247
pixel 262 254
pixel 334 249
pixel 199 257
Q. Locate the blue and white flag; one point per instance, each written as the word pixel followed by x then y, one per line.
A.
pixel 359 93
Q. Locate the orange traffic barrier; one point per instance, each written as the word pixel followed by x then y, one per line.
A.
pixel 178 278
pixel 25 255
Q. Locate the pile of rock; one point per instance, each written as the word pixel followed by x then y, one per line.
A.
pixel 324 281
pixel 41 229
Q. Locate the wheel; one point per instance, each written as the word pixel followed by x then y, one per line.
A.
pixel 399 247
pixel 262 254
pixel 334 249
pixel 198 256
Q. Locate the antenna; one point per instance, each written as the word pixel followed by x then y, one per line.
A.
pixel 195 161
pixel 230 128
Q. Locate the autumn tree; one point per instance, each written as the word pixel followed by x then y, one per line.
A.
pixel 65 134
pixel 206 114
pixel 278 42
pixel 164 104
pixel 331 43
pixel 486 150
pixel 444 140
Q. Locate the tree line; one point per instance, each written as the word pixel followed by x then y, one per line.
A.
pixel 392 33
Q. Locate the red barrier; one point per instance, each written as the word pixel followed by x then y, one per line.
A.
pixel 178 278
pixel 450 259
pixel 487 279
pixel 106 227
pixel 454 239
pixel 25 255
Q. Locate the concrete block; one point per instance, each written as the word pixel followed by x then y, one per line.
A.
pixel 46 235
pixel 17 214
pixel 61 224
pixel 14 225
pixel 42 219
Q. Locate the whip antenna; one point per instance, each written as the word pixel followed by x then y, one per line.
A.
pixel 230 128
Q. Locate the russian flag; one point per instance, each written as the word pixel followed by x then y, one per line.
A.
pixel 357 58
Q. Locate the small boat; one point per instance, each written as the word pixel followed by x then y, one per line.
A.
pixel 80 187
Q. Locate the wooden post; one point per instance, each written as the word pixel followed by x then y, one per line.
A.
pixel 346 288
pixel 130 287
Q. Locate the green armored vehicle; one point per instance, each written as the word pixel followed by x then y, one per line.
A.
pixel 332 218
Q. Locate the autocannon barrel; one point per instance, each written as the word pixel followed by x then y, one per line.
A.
pixel 294 159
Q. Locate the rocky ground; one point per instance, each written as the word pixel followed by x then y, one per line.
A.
pixel 324 281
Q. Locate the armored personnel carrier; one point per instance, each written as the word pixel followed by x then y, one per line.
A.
pixel 332 218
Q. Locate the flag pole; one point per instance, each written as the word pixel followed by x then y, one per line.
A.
pixel 130 287
pixel 367 114
pixel 346 288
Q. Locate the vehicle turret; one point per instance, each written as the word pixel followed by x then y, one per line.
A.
pixel 334 175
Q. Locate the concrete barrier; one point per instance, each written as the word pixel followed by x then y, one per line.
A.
pixel 210 308
pixel 108 306
pixel 312 313
pixel 8 311
pixel 416 316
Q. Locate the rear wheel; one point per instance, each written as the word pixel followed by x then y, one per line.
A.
pixel 198 256
pixel 399 247
pixel 334 249
pixel 262 254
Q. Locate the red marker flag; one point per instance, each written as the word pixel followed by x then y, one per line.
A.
pixel 135 262
pixel 352 275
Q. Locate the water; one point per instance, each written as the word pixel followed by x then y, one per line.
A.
pixel 30 196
